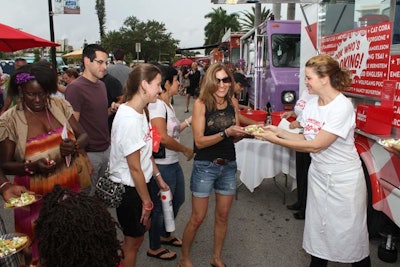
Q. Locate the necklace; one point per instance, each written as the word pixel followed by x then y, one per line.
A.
pixel 48 126
pixel 220 103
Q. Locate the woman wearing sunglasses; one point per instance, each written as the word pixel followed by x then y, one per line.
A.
pixel 215 129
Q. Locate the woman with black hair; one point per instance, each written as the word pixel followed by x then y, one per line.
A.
pixel 163 117
pixel 75 229
pixel 31 143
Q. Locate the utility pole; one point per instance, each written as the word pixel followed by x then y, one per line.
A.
pixel 52 49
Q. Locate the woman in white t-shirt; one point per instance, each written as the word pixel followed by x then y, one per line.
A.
pixel 336 214
pixel 163 117
pixel 131 161
pixel 303 159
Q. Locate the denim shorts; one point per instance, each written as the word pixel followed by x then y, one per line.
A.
pixel 207 176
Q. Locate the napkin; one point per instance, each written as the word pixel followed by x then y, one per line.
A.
pixel 64 135
pixel 284 124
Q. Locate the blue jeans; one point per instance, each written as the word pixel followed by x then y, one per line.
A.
pixel 173 176
pixel 208 176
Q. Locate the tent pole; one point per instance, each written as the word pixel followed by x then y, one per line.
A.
pixel 52 49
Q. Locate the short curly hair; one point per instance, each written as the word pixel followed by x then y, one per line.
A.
pixel 75 229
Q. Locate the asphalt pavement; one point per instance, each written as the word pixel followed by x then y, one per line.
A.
pixel 261 233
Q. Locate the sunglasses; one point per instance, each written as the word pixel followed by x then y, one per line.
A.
pixel 224 80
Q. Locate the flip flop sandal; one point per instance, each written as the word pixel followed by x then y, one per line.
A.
pixel 173 242
pixel 158 256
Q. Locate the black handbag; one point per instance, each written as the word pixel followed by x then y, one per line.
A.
pixel 160 154
pixel 109 191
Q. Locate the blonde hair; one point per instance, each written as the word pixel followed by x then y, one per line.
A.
pixel 209 86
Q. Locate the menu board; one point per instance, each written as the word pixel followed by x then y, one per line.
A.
pixel 394 74
pixel 365 52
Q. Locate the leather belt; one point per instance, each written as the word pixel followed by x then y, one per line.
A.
pixel 220 161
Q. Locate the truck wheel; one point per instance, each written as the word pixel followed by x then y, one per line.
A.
pixel 375 219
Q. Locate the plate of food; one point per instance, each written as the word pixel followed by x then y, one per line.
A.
pixel 24 200
pixel 12 243
pixel 390 141
pixel 254 128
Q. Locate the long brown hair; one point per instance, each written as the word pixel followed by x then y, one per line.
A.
pixel 209 86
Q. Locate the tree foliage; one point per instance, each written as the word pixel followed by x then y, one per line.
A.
pixel 101 15
pixel 219 23
pixel 247 22
pixel 156 43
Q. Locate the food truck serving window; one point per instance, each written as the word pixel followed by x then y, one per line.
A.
pixel 286 50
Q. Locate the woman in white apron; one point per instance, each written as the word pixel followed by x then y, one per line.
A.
pixel 336 217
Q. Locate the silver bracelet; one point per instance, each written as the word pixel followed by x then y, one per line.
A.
pixel 187 123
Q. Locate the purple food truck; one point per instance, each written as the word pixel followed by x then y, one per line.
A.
pixel 272 55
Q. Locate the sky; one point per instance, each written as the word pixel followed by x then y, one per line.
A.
pixel 184 19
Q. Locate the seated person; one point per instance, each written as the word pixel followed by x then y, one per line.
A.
pixel 75 229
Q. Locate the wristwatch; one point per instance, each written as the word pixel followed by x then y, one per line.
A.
pixel 222 134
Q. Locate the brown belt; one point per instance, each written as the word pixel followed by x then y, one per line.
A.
pixel 220 161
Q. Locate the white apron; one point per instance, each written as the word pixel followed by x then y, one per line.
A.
pixel 336 215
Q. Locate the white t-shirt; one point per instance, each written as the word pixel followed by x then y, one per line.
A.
pixel 130 132
pixel 342 124
pixel 300 104
pixel 159 110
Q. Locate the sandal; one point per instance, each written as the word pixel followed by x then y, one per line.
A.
pixel 159 255
pixel 173 242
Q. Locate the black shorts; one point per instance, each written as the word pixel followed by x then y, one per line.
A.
pixel 190 91
pixel 130 211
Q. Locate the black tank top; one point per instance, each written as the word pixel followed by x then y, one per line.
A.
pixel 217 121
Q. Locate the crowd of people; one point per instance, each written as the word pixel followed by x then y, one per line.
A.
pixel 107 118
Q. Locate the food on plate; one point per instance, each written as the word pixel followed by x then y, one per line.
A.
pixel 387 142
pixel 254 128
pixel 10 245
pixel 23 200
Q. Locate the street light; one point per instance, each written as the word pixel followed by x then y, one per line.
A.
pixel 138 50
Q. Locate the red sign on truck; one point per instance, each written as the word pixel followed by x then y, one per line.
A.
pixel 365 52
pixel 394 74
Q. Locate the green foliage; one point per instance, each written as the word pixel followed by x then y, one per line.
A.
pixel 247 23
pixel 36 53
pixel 101 15
pixel 219 23
pixel 156 43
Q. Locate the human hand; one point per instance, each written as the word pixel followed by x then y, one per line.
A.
pixel 395 149
pixel 235 131
pixel 114 107
pixel 162 185
pixel 67 147
pixel 267 135
pixel 45 165
pixel 294 125
pixel 188 152
pixel 288 114
pixel 14 191
pixel 145 218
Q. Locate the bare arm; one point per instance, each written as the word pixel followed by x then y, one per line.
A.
pixel 297 141
pixel 168 141
pixel 137 175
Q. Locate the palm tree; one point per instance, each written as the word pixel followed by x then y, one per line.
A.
pixel 101 15
pixel 247 23
pixel 219 24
